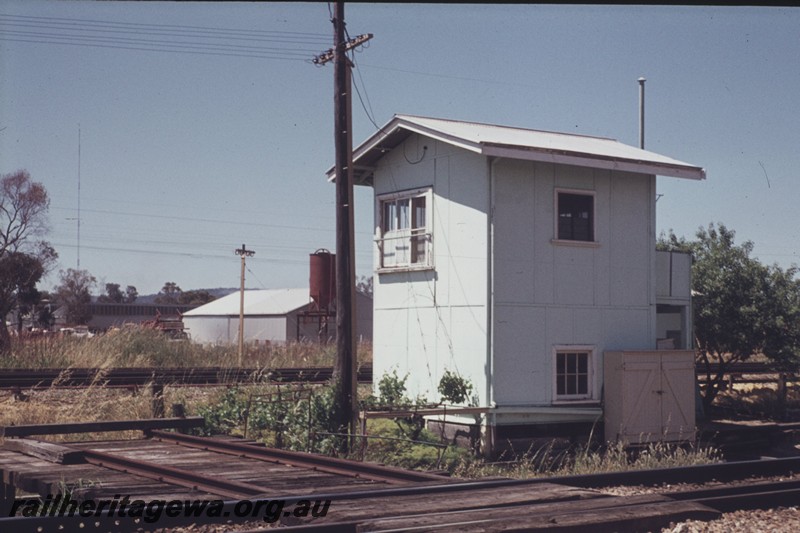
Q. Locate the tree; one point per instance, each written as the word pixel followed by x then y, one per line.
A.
pixel 23 212
pixel 169 293
pixel 19 274
pixel 741 307
pixel 131 294
pixel 113 294
pixel 23 218
pixel 197 297
pixel 364 285
pixel 74 293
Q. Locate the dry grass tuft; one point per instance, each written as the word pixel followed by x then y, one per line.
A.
pixel 615 457
pixel 143 347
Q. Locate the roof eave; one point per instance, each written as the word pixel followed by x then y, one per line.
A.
pixel 594 161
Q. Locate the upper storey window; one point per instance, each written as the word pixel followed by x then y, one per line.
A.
pixel 405 239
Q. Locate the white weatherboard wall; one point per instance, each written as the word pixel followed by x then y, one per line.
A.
pixel 550 294
pixel 434 320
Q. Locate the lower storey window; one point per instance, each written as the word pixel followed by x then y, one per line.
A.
pixel 573 374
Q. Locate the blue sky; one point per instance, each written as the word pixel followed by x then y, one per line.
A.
pixel 185 156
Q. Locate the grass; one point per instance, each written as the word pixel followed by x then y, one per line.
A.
pixel 143 347
pixel 226 406
pixel 585 459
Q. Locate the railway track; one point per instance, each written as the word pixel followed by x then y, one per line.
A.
pixel 22 378
pixel 435 504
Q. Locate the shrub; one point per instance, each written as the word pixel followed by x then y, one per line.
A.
pixel 392 390
pixel 454 388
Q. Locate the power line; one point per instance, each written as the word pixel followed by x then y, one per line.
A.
pixel 60 21
pixel 166 44
pixel 193 255
pixel 194 219
pixel 190 40
pixel 153 49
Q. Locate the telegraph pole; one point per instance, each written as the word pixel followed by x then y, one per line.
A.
pixel 641 112
pixel 344 375
pixel 244 252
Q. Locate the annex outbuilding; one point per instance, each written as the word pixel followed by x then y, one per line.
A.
pixel 270 315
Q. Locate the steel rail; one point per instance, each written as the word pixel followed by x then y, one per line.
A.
pixel 174 476
pixel 61 428
pixel 767 495
pixel 708 496
pixel 753 500
pixel 690 474
pixel 761 495
pixel 320 463
pixel 20 378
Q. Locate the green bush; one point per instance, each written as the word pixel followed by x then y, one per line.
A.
pixel 392 390
pixel 285 417
pixel 454 388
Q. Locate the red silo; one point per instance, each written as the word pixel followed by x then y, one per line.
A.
pixel 323 279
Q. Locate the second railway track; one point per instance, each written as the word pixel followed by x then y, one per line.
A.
pixel 22 378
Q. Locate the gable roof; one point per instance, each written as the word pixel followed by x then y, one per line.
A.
pixel 516 143
pixel 256 302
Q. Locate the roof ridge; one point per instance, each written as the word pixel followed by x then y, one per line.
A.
pixel 501 126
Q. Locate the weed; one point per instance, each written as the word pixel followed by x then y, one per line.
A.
pixel 547 460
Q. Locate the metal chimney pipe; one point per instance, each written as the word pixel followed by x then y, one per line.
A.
pixel 641 112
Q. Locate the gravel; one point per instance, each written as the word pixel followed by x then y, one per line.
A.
pixel 770 520
pixel 775 520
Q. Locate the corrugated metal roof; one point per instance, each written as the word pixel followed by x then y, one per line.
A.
pixel 517 143
pixel 256 302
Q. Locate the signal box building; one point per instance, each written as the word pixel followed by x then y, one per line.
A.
pixel 517 258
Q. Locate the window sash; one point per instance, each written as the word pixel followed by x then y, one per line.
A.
pixel 405 239
pixel 575 220
pixel 573 375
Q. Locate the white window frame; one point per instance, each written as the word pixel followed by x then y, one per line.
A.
pixel 395 247
pixel 575 242
pixel 591 388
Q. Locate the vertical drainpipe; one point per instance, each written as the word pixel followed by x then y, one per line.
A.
pixel 489 421
pixel 651 222
pixel 641 112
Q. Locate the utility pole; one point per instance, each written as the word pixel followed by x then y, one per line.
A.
pixel 641 112
pixel 344 375
pixel 244 252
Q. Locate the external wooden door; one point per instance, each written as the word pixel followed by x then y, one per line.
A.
pixel 649 396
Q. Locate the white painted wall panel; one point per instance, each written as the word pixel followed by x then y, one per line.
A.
pixel 682 276
pixel 432 320
pixel 272 329
pixel 514 250
pixel 582 295
pixel 573 278
pixel 207 330
pixel 627 329
pixel 225 330
pixel 663 281
pixel 518 374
